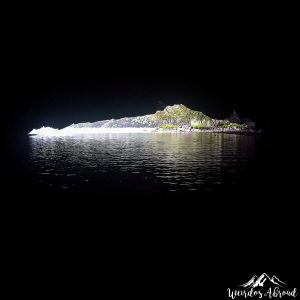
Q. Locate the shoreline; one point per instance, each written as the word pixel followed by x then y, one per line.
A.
pixel 241 132
pixel 48 131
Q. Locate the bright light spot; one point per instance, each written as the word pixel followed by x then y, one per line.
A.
pixel 49 131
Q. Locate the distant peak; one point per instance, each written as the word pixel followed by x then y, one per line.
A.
pixel 174 106
pixel 234 117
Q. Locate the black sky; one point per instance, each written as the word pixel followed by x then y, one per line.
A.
pixel 75 73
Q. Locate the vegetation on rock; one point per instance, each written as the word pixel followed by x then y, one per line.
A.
pixel 168 126
pixel 199 126
pixel 173 117
pixel 180 115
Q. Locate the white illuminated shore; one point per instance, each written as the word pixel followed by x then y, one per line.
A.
pixel 49 131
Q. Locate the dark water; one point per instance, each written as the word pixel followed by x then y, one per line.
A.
pixel 146 177
pixel 140 161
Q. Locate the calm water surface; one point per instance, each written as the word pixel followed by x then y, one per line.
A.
pixel 140 161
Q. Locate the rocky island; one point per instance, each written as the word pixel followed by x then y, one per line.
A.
pixel 177 117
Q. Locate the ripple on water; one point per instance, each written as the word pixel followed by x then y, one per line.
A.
pixel 141 159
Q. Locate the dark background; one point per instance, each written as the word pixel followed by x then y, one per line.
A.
pixel 66 67
pixel 63 68
pixel 79 67
pixel 88 67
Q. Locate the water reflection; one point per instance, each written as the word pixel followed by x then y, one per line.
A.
pixel 142 161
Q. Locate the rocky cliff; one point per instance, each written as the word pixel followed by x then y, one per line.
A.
pixel 177 115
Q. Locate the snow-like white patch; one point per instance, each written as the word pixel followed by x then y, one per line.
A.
pixel 46 131
pixel 49 131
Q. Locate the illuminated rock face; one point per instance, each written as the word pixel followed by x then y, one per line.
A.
pixel 175 116
pixel 44 131
pixel 147 121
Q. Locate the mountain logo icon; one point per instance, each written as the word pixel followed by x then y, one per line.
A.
pixel 262 281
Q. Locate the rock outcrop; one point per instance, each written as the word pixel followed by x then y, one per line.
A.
pixel 234 118
pixel 176 117
pixel 177 114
